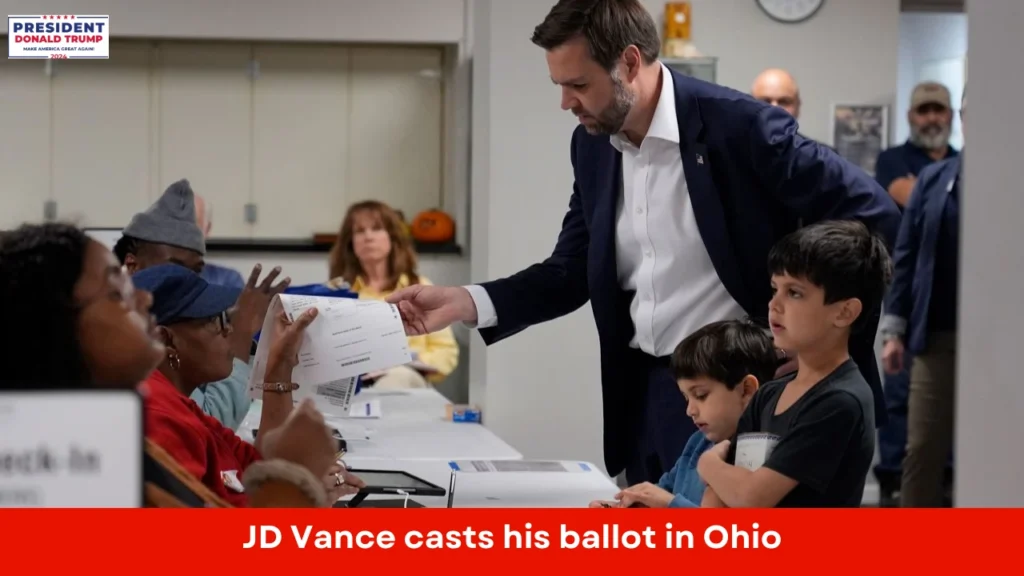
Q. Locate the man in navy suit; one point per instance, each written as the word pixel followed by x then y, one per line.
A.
pixel 681 188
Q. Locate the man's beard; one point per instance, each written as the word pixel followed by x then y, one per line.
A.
pixel 611 119
pixel 930 136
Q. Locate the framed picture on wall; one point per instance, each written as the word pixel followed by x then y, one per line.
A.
pixel 860 132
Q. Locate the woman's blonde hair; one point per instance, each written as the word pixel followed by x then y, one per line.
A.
pixel 401 259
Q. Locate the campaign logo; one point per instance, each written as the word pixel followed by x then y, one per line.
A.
pixel 64 37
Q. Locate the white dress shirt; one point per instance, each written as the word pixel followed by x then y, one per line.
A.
pixel 659 251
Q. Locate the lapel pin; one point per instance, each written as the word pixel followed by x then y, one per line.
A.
pixel 700 159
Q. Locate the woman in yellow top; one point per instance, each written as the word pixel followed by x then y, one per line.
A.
pixel 373 255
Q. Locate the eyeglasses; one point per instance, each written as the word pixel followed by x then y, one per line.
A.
pixel 218 324
pixel 222 322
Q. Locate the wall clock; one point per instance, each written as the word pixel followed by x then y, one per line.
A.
pixel 790 11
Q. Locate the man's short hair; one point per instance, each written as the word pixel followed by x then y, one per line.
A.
pixel 726 352
pixel 127 245
pixel 842 257
pixel 609 26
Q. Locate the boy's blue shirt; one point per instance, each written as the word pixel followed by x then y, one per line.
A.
pixel 682 480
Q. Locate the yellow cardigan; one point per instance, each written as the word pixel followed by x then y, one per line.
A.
pixel 437 349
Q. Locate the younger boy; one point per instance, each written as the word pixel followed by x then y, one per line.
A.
pixel 718 368
pixel 807 440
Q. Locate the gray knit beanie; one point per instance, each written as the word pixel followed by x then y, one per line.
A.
pixel 170 220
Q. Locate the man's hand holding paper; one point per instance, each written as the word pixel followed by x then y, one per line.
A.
pixel 427 309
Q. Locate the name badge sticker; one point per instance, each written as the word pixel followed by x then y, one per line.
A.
pixel 54 455
pixel 231 481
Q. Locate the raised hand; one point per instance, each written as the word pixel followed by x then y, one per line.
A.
pixel 255 299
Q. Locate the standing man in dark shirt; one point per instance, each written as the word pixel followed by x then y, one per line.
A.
pixel 931 121
pixel 807 441
pixel 921 318
pixel 930 118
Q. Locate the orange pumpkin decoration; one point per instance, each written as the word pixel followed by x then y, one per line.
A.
pixel 433 226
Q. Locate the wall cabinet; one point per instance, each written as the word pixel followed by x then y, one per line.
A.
pixel 279 138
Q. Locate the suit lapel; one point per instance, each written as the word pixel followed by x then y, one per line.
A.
pixel 707 206
pixel 934 210
pixel 607 184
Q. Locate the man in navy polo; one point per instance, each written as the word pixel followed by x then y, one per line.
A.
pixel 931 121
pixel 931 118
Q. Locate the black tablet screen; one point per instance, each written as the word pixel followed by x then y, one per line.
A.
pixel 383 479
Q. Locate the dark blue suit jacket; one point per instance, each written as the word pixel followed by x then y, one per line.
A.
pixel 751 180
pixel 909 297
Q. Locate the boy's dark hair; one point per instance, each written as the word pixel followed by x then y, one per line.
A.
pixel 842 257
pixel 726 352
pixel 609 26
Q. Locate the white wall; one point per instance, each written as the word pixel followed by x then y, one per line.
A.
pixel 926 37
pixel 547 376
pixel 845 54
pixel 522 180
pixel 990 398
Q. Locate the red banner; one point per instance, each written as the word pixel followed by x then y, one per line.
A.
pixel 498 540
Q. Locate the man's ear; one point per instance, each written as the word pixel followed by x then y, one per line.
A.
pixel 633 60
pixel 849 311
pixel 131 264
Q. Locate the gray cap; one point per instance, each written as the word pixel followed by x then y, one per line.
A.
pixel 170 220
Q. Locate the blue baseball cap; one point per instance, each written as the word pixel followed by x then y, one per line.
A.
pixel 181 294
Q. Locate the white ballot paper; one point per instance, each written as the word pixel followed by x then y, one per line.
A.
pixel 348 337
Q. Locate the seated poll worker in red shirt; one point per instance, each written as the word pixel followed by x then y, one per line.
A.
pixel 194 323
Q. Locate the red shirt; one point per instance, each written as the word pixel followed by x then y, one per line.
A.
pixel 206 448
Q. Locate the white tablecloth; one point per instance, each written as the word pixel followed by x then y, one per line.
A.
pixel 411 426
pixel 412 436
